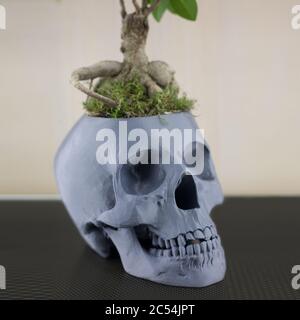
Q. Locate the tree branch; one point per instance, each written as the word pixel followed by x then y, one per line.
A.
pixel 123 9
pixel 144 5
pixel 137 6
pixel 152 7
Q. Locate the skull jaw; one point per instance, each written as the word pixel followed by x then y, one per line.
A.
pixel 169 271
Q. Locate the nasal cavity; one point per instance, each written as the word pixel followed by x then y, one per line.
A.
pixel 186 194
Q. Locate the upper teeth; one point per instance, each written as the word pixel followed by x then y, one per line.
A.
pixel 191 243
pixel 199 234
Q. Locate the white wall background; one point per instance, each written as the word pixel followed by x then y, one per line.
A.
pixel 241 60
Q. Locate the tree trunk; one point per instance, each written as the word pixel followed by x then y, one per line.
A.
pixel 135 28
pixel 154 75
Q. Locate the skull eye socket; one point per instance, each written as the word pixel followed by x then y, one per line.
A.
pixel 141 178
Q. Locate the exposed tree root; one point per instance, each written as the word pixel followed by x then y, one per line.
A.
pixel 102 69
pixel 157 77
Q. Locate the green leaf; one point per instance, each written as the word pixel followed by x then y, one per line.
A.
pixel 170 8
pixel 161 9
pixel 187 9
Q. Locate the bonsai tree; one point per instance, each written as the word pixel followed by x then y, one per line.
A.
pixel 136 87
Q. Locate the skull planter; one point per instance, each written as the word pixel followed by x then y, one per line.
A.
pixel 157 216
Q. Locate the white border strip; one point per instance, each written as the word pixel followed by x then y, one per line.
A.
pixel 29 197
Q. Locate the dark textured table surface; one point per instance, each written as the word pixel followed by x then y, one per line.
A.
pixel 45 258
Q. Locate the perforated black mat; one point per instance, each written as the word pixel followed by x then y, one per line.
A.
pixel 45 257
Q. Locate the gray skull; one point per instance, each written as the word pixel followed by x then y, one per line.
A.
pixel 157 216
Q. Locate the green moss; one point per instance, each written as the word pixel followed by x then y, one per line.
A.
pixel 133 100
